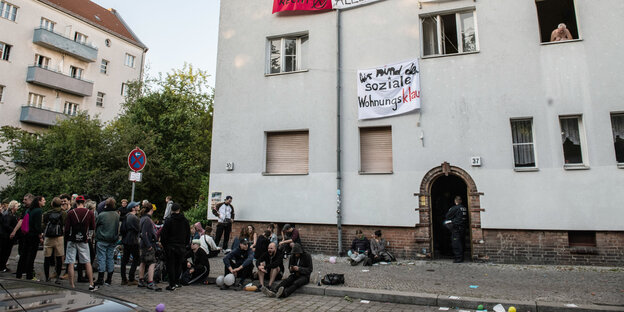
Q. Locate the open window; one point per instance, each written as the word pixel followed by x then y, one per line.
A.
pixel 617 125
pixel 286 54
pixel 552 13
pixel 573 141
pixel 451 33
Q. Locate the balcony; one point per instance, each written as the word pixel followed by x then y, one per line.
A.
pixel 57 42
pixel 40 116
pixel 58 81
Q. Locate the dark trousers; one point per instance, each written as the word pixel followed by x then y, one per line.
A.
pixel 26 262
pixel 292 283
pixel 225 229
pixel 57 263
pixel 6 246
pixel 246 272
pixel 129 250
pixel 457 242
pixel 175 259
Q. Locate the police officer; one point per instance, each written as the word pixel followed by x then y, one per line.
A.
pixel 458 214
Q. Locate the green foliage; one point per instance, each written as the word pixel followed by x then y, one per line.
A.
pixel 170 118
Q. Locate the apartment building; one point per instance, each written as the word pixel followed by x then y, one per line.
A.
pixel 523 122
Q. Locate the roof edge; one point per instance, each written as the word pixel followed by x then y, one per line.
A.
pixel 137 40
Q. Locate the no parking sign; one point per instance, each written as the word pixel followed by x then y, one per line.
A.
pixel 137 159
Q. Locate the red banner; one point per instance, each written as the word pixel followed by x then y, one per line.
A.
pixel 301 5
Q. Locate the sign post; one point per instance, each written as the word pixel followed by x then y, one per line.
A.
pixel 136 160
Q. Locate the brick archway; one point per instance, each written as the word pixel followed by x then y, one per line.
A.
pixel 474 207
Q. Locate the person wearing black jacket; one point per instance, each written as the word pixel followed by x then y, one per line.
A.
pixel 198 268
pixel 240 262
pixel 31 239
pixel 458 215
pixel 271 263
pixel 300 267
pixel 6 242
pixel 175 235
pixel 130 231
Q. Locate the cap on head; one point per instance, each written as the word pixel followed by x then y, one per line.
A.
pixel 244 241
pixel 196 241
pixel 287 227
pixel 80 199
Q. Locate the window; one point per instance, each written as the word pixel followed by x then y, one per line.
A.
pixel 287 152
pixel 8 11
pixel 376 150
pixel 129 60
pixel 552 13
pixel 285 54
pixel 99 101
pixel 450 33
pixel 104 67
pixel 42 61
pixel 75 72
pixel 617 124
pixel 573 140
pixel 124 89
pixel 522 141
pixel 81 38
pixel 35 100
pixel 582 239
pixel 70 109
pixel 5 51
pixel 1 93
pixel 47 24
pixel 107 42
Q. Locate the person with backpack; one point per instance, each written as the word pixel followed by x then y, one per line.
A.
pixel 79 227
pixel 106 235
pixel 32 236
pixel 53 244
pixel 129 231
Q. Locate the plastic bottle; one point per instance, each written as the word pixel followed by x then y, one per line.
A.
pixel 318 279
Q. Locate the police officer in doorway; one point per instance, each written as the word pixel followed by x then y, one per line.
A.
pixel 458 214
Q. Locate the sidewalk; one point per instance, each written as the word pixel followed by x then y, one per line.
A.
pixel 465 285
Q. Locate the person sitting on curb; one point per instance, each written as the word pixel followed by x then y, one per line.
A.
pixel 300 267
pixel 270 263
pixel 360 248
pixel 198 268
pixel 290 237
pixel 378 249
pixel 240 263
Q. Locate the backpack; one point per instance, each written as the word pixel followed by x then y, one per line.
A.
pixel 78 231
pixel 54 228
pixel 26 223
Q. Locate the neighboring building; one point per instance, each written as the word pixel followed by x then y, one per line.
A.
pixel 528 132
pixel 59 57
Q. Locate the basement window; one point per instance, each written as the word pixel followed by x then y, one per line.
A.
pixel 551 14
pixel 582 239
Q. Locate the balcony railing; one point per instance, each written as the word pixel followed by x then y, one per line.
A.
pixel 58 42
pixel 41 116
pixel 58 81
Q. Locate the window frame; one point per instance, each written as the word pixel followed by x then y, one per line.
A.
pixel 440 42
pixel 104 66
pixel 36 100
pixel 367 171
pixel 8 11
pixel 124 89
pixel 47 24
pixel 584 164
pixel 620 164
pixel 5 51
pixel 540 26
pixel 130 60
pixel 80 38
pixel 76 72
pixel 46 61
pixel 533 143
pixel 299 38
pixel 2 88
pixel 267 135
pixel 70 105
pixel 99 99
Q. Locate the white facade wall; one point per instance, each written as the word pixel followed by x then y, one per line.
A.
pixel 467 103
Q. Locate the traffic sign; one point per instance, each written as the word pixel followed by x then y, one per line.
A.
pixel 135 176
pixel 137 159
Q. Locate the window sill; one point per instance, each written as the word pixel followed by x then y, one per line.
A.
pixel 287 73
pixel 374 173
pixel 527 169
pixel 446 55
pixel 576 167
pixel 560 42
pixel 620 165
pixel 284 174
pixel 584 250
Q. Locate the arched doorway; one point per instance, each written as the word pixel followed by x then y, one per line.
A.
pixel 433 194
pixel 443 191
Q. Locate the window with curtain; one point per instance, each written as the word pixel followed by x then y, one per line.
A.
pixel 376 150
pixel 522 141
pixel 287 152
pixel 571 140
pixel 617 125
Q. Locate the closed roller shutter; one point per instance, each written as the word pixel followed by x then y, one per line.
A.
pixel 376 150
pixel 287 152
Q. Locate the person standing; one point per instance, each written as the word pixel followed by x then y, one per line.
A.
pixel 106 235
pixel 225 213
pixel 174 237
pixel 53 244
pixel 168 203
pixel 31 229
pixel 79 227
pixel 148 246
pixel 458 215
pixel 7 242
pixel 130 239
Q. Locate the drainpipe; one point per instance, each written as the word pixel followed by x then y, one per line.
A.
pixel 338 146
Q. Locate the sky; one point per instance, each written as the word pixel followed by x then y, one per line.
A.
pixel 174 32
